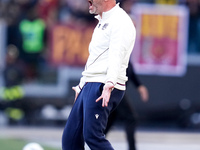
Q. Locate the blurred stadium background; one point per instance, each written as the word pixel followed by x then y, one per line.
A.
pixel 43 49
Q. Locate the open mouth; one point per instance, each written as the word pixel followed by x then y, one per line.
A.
pixel 90 3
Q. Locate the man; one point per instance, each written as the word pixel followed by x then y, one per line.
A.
pixel 102 85
pixel 125 112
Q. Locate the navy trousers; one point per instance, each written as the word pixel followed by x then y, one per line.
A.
pixel 88 119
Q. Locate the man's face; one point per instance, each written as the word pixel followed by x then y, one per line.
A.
pixel 95 6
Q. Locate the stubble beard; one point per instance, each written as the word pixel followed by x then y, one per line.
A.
pixel 93 11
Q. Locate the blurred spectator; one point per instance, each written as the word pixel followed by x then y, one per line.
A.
pixel 13 93
pixel 13 73
pixel 126 112
pixel 3 5
pixel 146 1
pixel 75 12
pixel 12 17
pixel 48 11
pixel 168 2
pixel 194 27
pixel 33 31
pixel 64 14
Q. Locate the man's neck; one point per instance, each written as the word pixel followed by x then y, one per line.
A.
pixel 108 6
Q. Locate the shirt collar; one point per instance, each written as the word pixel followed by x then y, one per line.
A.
pixel 107 14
